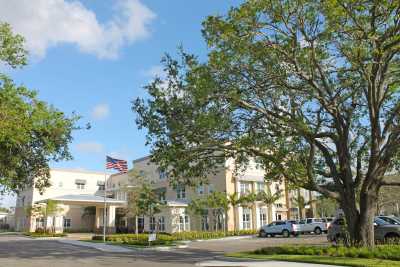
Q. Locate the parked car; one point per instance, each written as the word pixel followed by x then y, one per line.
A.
pixel 311 225
pixel 390 219
pixel 284 228
pixel 382 230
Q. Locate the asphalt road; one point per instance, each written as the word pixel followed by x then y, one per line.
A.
pixel 19 251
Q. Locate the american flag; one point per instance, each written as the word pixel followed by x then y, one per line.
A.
pixel 117 164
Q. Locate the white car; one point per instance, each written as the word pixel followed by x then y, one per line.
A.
pixel 311 225
pixel 284 228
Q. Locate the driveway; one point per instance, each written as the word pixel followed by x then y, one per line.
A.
pixel 19 251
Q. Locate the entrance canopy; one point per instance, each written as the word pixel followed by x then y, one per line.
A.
pixel 89 200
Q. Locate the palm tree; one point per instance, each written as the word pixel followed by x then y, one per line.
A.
pixel 269 199
pixel 301 203
pixel 234 200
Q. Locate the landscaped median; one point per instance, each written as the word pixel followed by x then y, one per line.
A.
pixel 164 239
pixel 42 235
pixel 380 256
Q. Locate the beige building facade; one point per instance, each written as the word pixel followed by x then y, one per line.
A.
pixel 79 198
pixel 177 217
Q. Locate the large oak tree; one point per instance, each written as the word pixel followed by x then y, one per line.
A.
pixel 32 132
pixel 308 88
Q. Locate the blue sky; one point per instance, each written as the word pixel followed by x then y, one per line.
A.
pixel 93 58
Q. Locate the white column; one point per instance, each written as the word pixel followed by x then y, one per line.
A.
pixel 111 216
pixel 258 223
pixel 240 215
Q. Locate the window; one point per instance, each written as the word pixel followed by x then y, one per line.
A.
pixel 200 189
pixel 152 223
pixel 162 174
pixel 186 223
pixel 278 205
pixel 260 186
pixel 210 188
pixel 246 219
pixel 80 186
pixel 181 192
pixel 161 197
pixel 101 187
pixel 278 217
pixel 161 224
pixel 205 223
pixel 245 188
pixel 23 201
pixel 39 223
pixel 277 189
pixel 67 223
pixel 263 216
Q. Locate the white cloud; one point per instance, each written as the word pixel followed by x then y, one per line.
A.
pixel 100 111
pixel 46 23
pixel 90 147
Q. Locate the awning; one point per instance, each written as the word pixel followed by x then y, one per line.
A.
pixel 89 199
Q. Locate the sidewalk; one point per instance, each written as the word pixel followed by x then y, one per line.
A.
pixel 100 246
pixel 257 264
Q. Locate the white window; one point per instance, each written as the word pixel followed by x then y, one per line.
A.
pixel 80 186
pixel 278 205
pixel 263 216
pixel 162 175
pixel 181 192
pixel 211 188
pixel 161 197
pixel 152 223
pixel 246 219
pixel 200 189
pixel 67 223
pixel 161 224
pixel 205 223
pixel 39 223
pixel 260 187
pixel 245 188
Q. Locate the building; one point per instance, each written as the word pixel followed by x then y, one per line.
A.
pixel 79 196
pixel 176 216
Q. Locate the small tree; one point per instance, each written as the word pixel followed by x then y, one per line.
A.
pixel 143 200
pixel 235 201
pixel 269 199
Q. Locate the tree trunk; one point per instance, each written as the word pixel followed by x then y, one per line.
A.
pixel 360 223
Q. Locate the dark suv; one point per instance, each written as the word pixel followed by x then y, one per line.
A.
pixel 382 231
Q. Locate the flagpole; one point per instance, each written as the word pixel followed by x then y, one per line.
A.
pixel 105 203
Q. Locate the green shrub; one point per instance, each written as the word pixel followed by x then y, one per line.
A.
pixel 193 235
pixel 387 252
pixel 44 234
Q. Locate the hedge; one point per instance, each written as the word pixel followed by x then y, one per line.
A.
pixel 386 252
pixel 193 235
pixel 34 234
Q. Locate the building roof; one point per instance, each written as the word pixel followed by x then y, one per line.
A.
pixel 84 198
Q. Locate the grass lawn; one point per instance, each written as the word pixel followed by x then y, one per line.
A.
pixel 344 261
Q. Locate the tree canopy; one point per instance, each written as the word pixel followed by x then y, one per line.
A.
pixel 309 89
pixel 32 132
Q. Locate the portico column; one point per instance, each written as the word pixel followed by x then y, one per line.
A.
pixel 97 220
pixel 111 218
